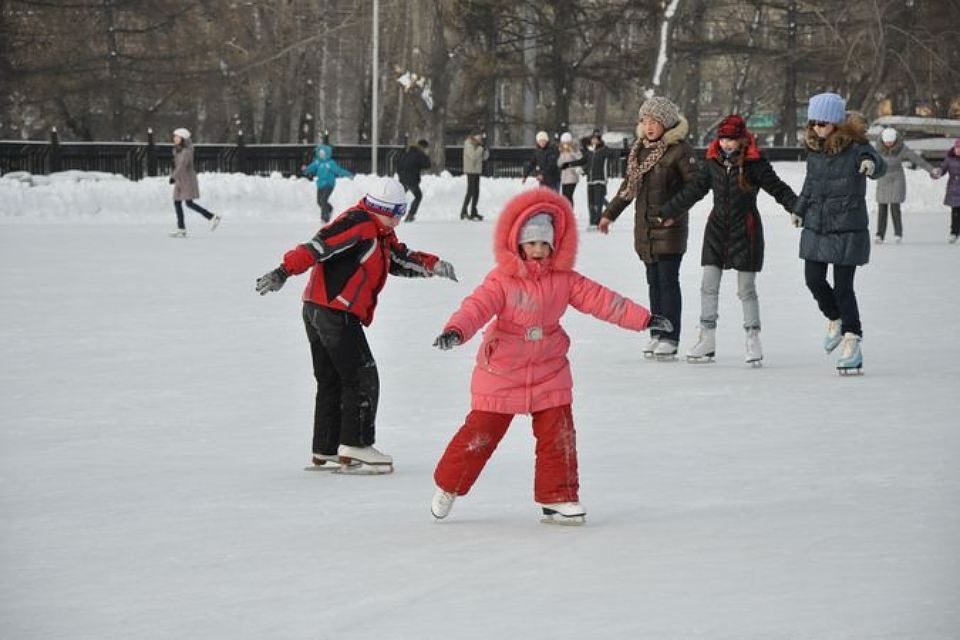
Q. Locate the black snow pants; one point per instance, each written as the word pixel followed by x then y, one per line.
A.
pixel 348 387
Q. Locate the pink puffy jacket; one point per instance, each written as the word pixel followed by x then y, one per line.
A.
pixel 522 364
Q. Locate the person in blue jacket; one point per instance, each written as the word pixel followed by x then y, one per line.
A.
pixel 326 169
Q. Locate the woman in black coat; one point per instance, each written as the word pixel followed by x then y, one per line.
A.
pixel 735 170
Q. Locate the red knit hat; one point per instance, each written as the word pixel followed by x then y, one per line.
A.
pixel 732 126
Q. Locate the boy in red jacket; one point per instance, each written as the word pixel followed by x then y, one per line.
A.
pixel 350 259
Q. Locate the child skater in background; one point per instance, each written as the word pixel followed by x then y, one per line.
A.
pixel 892 187
pixel 832 208
pixel 735 169
pixel 951 167
pixel 349 260
pixel 327 171
pixel 521 365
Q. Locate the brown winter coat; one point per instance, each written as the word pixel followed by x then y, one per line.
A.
pixel 677 167
pixel 185 184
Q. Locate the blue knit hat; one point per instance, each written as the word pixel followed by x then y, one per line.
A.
pixel 827 107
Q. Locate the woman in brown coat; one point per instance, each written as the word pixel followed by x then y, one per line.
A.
pixel 185 184
pixel 660 163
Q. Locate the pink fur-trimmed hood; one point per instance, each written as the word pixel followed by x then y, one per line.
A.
pixel 515 214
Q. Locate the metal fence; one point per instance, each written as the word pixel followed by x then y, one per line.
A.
pixel 136 160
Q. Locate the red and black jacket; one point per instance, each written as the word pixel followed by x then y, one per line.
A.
pixel 733 236
pixel 351 258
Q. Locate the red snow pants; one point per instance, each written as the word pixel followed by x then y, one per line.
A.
pixel 555 476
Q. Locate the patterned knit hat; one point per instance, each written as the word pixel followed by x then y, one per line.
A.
pixel 732 126
pixel 662 110
pixel 387 197
pixel 539 228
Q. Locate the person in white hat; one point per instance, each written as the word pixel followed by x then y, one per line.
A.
pixel 186 187
pixel 349 260
pixel 542 164
pixel 569 175
pixel 892 186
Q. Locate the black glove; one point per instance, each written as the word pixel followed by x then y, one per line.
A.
pixel 660 323
pixel 447 340
pixel 564 165
pixel 272 280
pixel 173 180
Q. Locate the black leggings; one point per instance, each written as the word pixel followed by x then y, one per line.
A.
pixel 413 188
pixel 955 221
pixel 838 301
pixel 348 387
pixel 568 190
pixel 597 194
pixel 882 220
pixel 178 205
pixel 473 195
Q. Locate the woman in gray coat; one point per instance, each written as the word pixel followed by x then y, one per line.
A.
pixel 892 187
pixel 833 210
pixel 185 184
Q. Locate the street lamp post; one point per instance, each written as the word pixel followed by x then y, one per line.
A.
pixel 374 103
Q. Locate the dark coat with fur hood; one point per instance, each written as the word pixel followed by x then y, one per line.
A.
pixel 678 166
pixel 833 201
pixel 733 236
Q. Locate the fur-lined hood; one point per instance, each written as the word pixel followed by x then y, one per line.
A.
pixel 851 131
pixel 515 214
pixel 673 135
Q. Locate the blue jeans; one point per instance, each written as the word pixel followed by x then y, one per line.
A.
pixel 663 280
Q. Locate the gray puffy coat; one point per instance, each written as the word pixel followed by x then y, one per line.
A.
pixel 185 184
pixel 892 187
pixel 833 201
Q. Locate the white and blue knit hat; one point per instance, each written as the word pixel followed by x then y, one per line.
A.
pixel 387 197
pixel 827 107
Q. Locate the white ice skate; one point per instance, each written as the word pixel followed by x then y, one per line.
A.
pixel 953 239
pixel 564 513
pixel 442 503
pixel 214 222
pixel 705 349
pixel 878 240
pixel 832 340
pixel 753 351
pixel 898 239
pixel 665 352
pixel 324 462
pixel 651 346
pixel 851 358
pixel 178 233
pixel 363 461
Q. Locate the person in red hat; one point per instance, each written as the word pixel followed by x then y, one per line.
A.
pixel 735 169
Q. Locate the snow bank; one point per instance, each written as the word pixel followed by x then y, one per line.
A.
pixel 108 197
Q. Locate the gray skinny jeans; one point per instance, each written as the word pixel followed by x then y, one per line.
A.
pixel 710 297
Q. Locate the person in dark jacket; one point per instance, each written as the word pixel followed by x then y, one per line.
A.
pixel 659 165
pixel 186 187
pixel 594 163
pixel 543 163
pixel 413 162
pixel 349 260
pixel 735 169
pixel 951 167
pixel 832 208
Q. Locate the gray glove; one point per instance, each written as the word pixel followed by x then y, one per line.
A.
pixel 867 167
pixel 271 280
pixel 447 340
pixel 660 323
pixel 444 269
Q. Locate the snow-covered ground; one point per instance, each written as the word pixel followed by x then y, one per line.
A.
pixel 156 415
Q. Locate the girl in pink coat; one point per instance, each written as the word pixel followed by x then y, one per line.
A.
pixel 522 365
